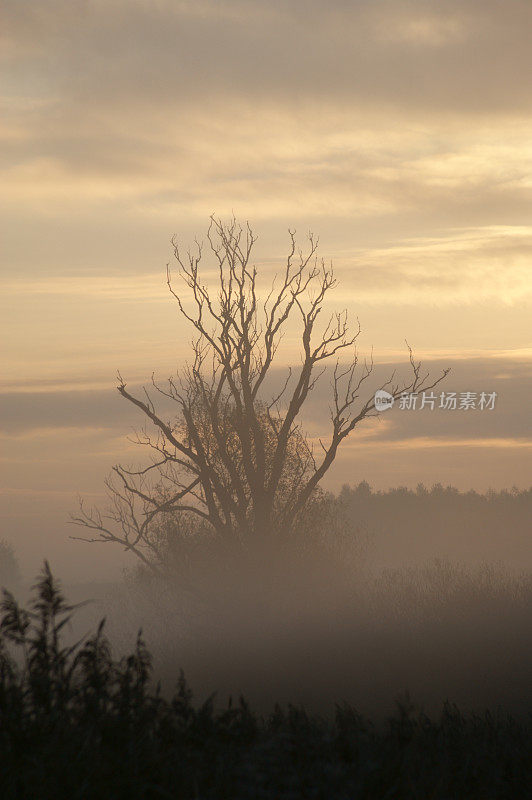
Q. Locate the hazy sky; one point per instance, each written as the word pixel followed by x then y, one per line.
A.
pixel 399 132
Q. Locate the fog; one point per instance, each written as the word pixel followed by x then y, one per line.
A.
pixel 425 591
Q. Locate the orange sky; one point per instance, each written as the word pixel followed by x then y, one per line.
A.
pixel 399 133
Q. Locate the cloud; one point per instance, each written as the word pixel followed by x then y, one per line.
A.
pixel 398 132
pixel 464 266
pixel 391 119
pixel 460 267
pixel 130 88
pixel 417 55
pixel 97 411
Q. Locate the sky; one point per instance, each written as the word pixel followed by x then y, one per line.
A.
pixel 398 132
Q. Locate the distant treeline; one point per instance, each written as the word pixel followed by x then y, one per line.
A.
pixel 442 521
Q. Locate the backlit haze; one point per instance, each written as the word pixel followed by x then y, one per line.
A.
pixel 399 133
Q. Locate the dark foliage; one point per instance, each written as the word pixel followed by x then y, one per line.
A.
pixel 442 521
pixel 74 723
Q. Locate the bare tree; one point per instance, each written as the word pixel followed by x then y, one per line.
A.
pixel 232 463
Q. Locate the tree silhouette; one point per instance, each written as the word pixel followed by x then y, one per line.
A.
pixel 232 462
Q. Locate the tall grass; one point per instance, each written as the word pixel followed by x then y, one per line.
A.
pixel 77 723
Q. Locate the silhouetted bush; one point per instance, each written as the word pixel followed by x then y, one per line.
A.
pixel 75 723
